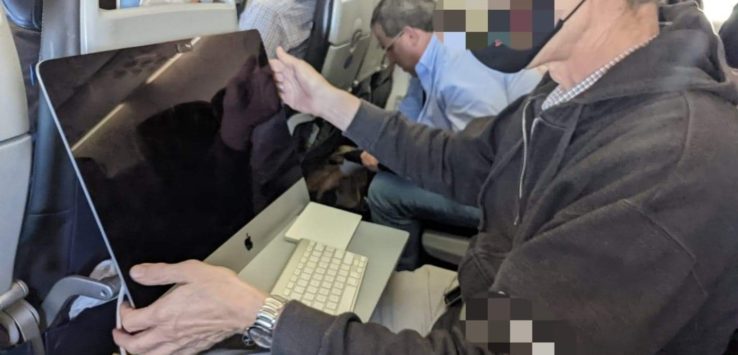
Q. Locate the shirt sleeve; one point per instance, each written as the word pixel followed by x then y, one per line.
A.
pixel 451 164
pixel 412 103
pixel 729 35
pixel 265 19
pixel 306 331
pixel 462 105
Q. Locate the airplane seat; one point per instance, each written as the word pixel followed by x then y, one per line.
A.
pixel 375 74
pixel 17 321
pixel 445 243
pixel 102 29
pixel 339 39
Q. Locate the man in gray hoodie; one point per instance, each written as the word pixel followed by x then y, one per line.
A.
pixel 608 197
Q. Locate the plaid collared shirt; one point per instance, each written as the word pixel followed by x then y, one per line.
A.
pixel 285 23
pixel 560 96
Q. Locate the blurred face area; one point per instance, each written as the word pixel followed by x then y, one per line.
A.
pixel 405 49
pixel 567 36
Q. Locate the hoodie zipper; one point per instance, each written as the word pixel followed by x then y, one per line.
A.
pixel 525 159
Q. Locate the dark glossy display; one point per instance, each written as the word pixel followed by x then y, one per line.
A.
pixel 179 144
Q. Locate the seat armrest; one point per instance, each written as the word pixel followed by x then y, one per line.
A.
pixel 445 246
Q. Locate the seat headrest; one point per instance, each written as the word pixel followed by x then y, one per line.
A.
pixel 24 13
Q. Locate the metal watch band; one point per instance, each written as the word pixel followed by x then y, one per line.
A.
pixel 262 331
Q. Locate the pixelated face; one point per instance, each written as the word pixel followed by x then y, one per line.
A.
pixel 519 24
pixel 516 327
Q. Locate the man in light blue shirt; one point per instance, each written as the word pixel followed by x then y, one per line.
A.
pixel 459 88
pixel 449 88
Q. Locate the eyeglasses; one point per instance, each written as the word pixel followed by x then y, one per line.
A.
pixel 391 44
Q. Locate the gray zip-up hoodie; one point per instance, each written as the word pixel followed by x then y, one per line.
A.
pixel 624 221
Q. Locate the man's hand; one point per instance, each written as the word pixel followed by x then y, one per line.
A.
pixel 305 90
pixel 369 161
pixel 299 84
pixel 250 99
pixel 208 305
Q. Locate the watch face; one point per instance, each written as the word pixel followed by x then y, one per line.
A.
pixel 261 337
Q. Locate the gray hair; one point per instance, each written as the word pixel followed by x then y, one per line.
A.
pixel 394 15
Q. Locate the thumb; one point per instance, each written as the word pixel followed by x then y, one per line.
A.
pixel 286 58
pixel 162 274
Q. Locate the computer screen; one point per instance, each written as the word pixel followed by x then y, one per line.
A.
pixel 178 145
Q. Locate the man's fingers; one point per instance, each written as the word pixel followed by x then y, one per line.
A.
pixel 142 343
pixel 163 274
pixel 277 65
pixel 166 349
pixel 136 320
pixel 286 58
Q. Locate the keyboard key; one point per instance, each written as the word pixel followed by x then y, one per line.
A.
pixel 353 282
pixel 318 305
pixel 286 293
pixel 334 298
pixel 330 249
pixel 299 290
pixel 312 289
pixel 327 284
pixel 290 285
pixel 330 279
pixel 308 297
pixel 308 270
pixel 339 254
pixel 323 264
pixel 340 279
pixel 355 274
pixel 332 306
pixel 319 247
pixel 315 283
pixel 310 264
pixel 349 258
pixel 345 267
pixel 348 298
pixel 331 272
pixel 342 273
pixel 318 277
pixel 302 283
pixel 305 276
pixel 314 258
pixel 336 292
pixel 339 285
pixel 323 291
pixel 320 270
pixel 293 278
pixel 321 298
pixel 333 267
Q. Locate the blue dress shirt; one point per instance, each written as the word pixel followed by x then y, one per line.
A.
pixel 458 88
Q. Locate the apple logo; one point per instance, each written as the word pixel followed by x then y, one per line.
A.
pixel 248 243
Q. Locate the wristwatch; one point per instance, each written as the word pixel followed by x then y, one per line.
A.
pixel 262 331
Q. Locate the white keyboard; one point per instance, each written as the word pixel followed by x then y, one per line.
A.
pixel 322 277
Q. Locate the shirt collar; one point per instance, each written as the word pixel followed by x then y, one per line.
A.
pixel 429 61
pixel 560 96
